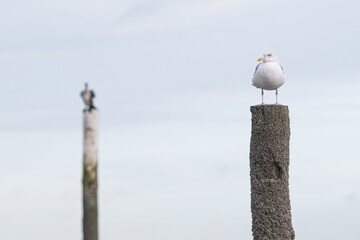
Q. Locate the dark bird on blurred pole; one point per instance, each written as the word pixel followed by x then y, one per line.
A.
pixel 88 96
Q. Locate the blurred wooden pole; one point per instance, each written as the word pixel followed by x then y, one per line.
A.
pixel 90 161
pixel 269 173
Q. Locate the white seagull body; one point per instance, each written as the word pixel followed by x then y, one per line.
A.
pixel 269 74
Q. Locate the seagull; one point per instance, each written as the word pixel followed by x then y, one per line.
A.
pixel 269 74
pixel 88 96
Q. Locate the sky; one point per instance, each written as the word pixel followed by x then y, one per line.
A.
pixel 173 87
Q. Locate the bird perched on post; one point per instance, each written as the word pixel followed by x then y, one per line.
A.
pixel 269 74
pixel 87 96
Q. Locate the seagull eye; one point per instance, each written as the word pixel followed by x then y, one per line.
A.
pixel 269 55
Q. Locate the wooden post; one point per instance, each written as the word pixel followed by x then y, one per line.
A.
pixel 269 173
pixel 90 161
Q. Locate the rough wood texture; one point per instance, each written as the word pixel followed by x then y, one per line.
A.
pixel 269 173
pixel 90 211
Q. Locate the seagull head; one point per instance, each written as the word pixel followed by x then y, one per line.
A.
pixel 269 57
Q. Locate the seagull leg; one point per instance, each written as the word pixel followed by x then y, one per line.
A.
pixel 276 93
pixel 262 97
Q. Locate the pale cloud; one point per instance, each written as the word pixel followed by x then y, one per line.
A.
pixel 50 19
pixel 156 16
pixel 43 19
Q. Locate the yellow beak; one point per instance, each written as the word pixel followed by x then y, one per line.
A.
pixel 260 59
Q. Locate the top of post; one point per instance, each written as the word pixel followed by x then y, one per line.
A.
pixel 269 106
pixel 88 96
pixel 272 116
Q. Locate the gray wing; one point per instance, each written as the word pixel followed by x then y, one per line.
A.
pixel 257 68
pixel 92 94
pixel 282 69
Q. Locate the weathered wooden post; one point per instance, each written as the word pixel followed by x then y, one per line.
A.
pixel 90 160
pixel 269 173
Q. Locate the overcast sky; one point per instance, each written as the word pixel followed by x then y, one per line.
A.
pixel 173 86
